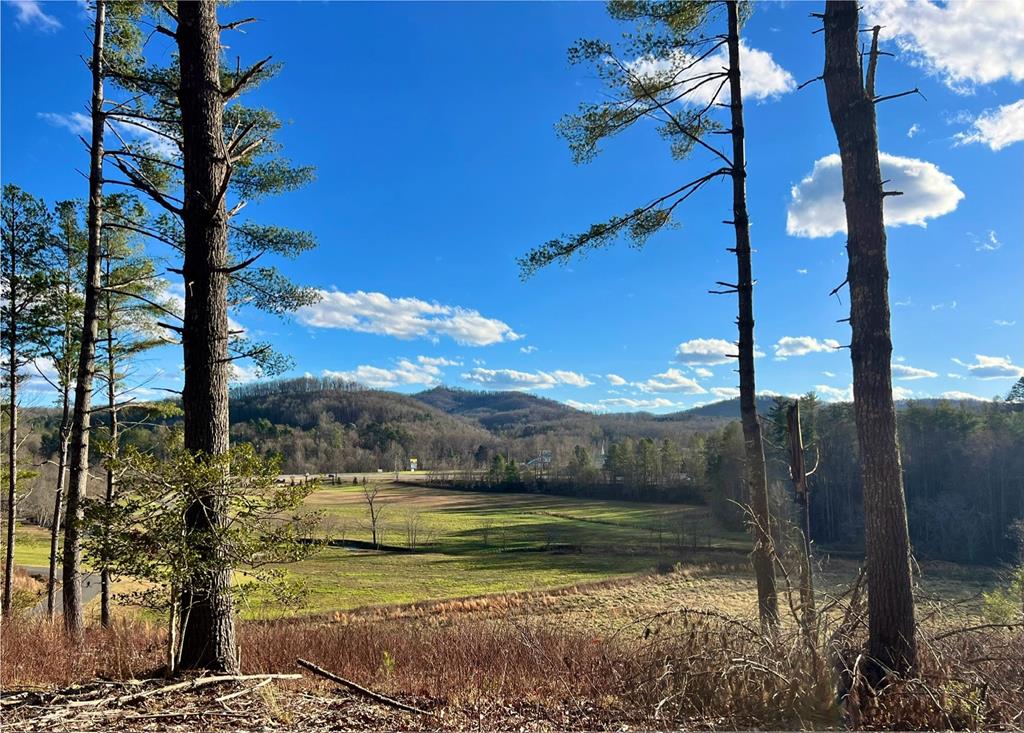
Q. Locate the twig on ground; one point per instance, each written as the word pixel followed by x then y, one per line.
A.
pixel 359 688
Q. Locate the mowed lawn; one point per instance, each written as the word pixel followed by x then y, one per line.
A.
pixel 31 546
pixel 470 543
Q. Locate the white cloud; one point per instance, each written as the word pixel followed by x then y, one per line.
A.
pixel 830 375
pixel 1004 323
pixel 762 77
pixel 965 42
pixel 989 244
pixel 992 367
pixel 76 122
pixel 726 393
pixel 958 395
pixel 438 361
pixel 657 403
pixel 845 394
pixel 671 380
pixel 527 349
pixel 802 345
pixel 517 380
pixel 914 129
pixel 404 318
pixel 801 271
pixel 901 393
pixel 80 124
pixel 816 205
pixel 30 13
pixel 244 373
pixel 703 373
pixel 425 370
pixel 902 371
pixel 571 378
pixel 996 128
pixel 834 394
pixel 615 379
pixel 707 352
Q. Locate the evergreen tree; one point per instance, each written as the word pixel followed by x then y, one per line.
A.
pixel 26 241
pixel 653 78
pixel 58 338
pixel 851 103
pixel 130 306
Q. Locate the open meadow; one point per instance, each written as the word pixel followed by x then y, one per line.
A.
pixel 607 562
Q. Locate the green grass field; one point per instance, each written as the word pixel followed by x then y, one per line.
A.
pixel 478 543
pixel 32 546
pixel 473 544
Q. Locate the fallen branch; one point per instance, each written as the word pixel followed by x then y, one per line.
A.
pixel 246 691
pixel 186 685
pixel 359 688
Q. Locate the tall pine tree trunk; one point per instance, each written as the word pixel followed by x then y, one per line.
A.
pixel 78 480
pixel 208 631
pixel 58 502
pixel 12 452
pixel 757 480
pixel 114 437
pixel 891 642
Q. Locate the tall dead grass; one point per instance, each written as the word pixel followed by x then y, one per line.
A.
pixel 687 668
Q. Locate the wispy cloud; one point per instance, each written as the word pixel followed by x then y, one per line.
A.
pixel 996 128
pixel 31 14
pixel 992 367
pixel 75 122
pixel 707 352
pixel 902 371
pixel 989 243
pixel 518 380
pixel 425 370
pixel 624 403
pixel 956 394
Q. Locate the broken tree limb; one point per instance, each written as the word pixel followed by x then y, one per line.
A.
pixel 186 685
pixel 359 688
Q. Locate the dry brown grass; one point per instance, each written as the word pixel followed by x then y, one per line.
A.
pixel 37 653
pixel 526 657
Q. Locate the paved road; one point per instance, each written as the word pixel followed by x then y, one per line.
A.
pixel 90 584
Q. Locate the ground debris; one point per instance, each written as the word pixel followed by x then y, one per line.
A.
pixel 282 707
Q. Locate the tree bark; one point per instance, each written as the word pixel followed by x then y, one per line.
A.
pixel 58 501
pixel 112 453
pixel 12 450
pixel 891 642
pixel 208 636
pixel 757 481
pixel 78 480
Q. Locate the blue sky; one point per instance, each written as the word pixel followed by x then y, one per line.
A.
pixel 431 128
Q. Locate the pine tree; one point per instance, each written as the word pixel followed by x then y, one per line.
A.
pixel 851 103
pixel 672 38
pixel 26 240
pixel 58 338
pixel 131 304
pixel 222 157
